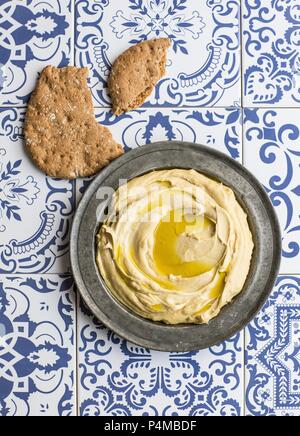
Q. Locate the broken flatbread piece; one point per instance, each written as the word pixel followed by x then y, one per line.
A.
pixel 136 72
pixel 61 132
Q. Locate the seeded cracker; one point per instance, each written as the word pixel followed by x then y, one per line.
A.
pixel 61 132
pixel 135 73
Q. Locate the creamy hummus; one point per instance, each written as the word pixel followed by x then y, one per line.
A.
pixel 176 246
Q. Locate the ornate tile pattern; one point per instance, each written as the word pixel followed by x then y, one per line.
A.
pixel 37 353
pixel 271 54
pixel 271 152
pixel 211 77
pixel 217 128
pixel 33 34
pixel 121 379
pixel 35 211
pixel 198 100
pixel 144 126
pixel 273 353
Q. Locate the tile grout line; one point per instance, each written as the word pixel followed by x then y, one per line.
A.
pixel 241 55
pixel 244 330
pixel 176 108
pixel 77 411
pixel 243 162
pixel 74 31
pixel 244 372
pixel 76 376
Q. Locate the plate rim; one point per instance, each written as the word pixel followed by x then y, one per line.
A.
pixel 123 160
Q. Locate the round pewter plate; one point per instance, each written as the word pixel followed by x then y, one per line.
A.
pixel 265 261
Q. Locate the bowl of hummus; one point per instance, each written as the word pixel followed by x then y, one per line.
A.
pixel 175 246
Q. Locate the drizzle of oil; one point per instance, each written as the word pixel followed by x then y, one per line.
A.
pixel 121 264
pixel 214 294
pixel 165 254
pixel 164 283
pixel 218 288
pixel 166 257
pixel 165 183
pixel 204 308
pixel 120 259
pixel 157 307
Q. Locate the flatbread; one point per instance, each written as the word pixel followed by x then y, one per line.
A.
pixel 136 72
pixel 61 132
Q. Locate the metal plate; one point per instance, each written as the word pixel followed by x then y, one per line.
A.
pixel 264 267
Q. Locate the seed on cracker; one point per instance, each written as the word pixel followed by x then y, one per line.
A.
pixel 136 72
pixel 61 132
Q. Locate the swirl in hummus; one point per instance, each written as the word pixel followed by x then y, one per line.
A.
pixel 176 246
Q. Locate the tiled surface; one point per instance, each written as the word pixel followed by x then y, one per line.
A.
pixel 33 35
pixel 217 128
pixel 203 63
pixel 118 378
pixel 271 52
pixel 37 348
pixel 54 358
pixel 272 152
pixel 273 352
pixel 35 212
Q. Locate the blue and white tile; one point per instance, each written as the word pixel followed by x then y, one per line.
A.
pixel 271 53
pixel 37 349
pixel 35 211
pixel 273 353
pixel 272 153
pixel 219 128
pixel 33 35
pixel 117 378
pixel 203 64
